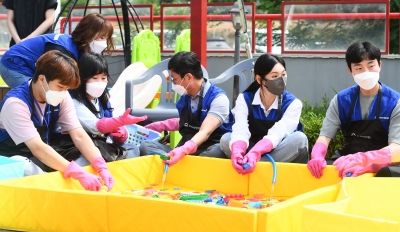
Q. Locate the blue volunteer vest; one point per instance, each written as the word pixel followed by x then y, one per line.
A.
pixel 211 94
pixel 22 92
pixel 104 113
pixel 388 103
pixel 258 112
pixel 22 57
pixel 259 124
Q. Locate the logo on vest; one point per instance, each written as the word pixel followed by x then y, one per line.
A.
pixel 190 126
pixel 361 136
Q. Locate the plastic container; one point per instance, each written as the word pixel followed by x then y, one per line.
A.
pixel 137 134
pixel 10 168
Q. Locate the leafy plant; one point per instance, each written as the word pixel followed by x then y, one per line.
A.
pixel 312 118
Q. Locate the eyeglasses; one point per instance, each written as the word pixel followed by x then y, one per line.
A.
pixel 173 80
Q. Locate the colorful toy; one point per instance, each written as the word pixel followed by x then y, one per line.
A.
pixel 206 197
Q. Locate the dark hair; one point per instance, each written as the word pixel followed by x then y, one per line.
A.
pixel 264 64
pixel 55 65
pixel 186 62
pixel 362 50
pixel 91 64
pixel 92 25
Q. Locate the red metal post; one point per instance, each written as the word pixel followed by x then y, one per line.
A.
pixel 269 36
pixel 198 29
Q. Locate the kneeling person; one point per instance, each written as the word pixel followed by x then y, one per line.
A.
pixel 267 120
pixel 204 114
pixel 29 112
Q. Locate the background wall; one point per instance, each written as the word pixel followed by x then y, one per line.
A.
pixel 309 76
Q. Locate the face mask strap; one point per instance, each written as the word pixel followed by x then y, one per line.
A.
pixel 46 84
pixel 182 80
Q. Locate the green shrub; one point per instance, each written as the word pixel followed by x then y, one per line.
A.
pixel 312 118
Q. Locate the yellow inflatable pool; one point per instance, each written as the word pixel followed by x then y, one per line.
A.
pixel 48 202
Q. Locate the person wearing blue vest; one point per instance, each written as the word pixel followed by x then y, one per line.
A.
pixel 93 33
pixel 204 113
pixel 28 115
pixel 267 120
pixel 94 111
pixel 368 114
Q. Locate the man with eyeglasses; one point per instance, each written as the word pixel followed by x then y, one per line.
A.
pixel 204 113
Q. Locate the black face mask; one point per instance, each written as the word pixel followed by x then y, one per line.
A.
pixel 275 86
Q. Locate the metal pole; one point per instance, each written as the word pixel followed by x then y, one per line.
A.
pixel 127 33
pixel 237 47
pixel 236 60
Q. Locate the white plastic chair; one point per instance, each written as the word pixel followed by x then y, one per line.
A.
pixel 142 91
pixel 166 107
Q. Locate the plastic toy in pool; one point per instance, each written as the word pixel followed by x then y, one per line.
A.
pixel 207 197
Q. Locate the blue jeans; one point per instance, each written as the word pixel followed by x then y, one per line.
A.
pixel 293 148
pixel 133 151
pixel 12 78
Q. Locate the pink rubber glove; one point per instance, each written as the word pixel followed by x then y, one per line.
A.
pixel 263 146
pixel 106 125
pixel 88 180
pixel 120 135
pixel 317 162
pixel 99 164
pixel 238 149
pixel 171 124
pixel 188 148
pixel 358 170
pixel 363 159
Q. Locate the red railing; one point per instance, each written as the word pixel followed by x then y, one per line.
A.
pixel 268 18
pixel 332 16
pixel 150 17
pixel 226 17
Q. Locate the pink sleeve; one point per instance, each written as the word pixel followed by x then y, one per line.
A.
pixel 67 116
pixel 16 119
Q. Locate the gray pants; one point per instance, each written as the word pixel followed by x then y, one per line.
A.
pixel 148 147
pixel 293 148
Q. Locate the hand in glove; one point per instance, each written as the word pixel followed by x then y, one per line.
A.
pixel 262 147
pixel 188 148
pixel 99 164
pixel 88 180
pixel 363 159
pixel 238 150
pixel 171 124
pixel 120 135
pixel 358 170
pixel 107 125
pixel 317 162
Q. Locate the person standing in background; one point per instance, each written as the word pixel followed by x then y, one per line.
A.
pixel 27 19
pixel 92 34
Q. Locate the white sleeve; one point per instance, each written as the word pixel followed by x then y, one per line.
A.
pixel 287 124
pixel 86 117
pixel 240 129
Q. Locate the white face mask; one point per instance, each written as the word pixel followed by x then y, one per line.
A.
pixel 367 80
pixel 179 89
pixel 96 89
pixel 98 46
pixel 54 97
